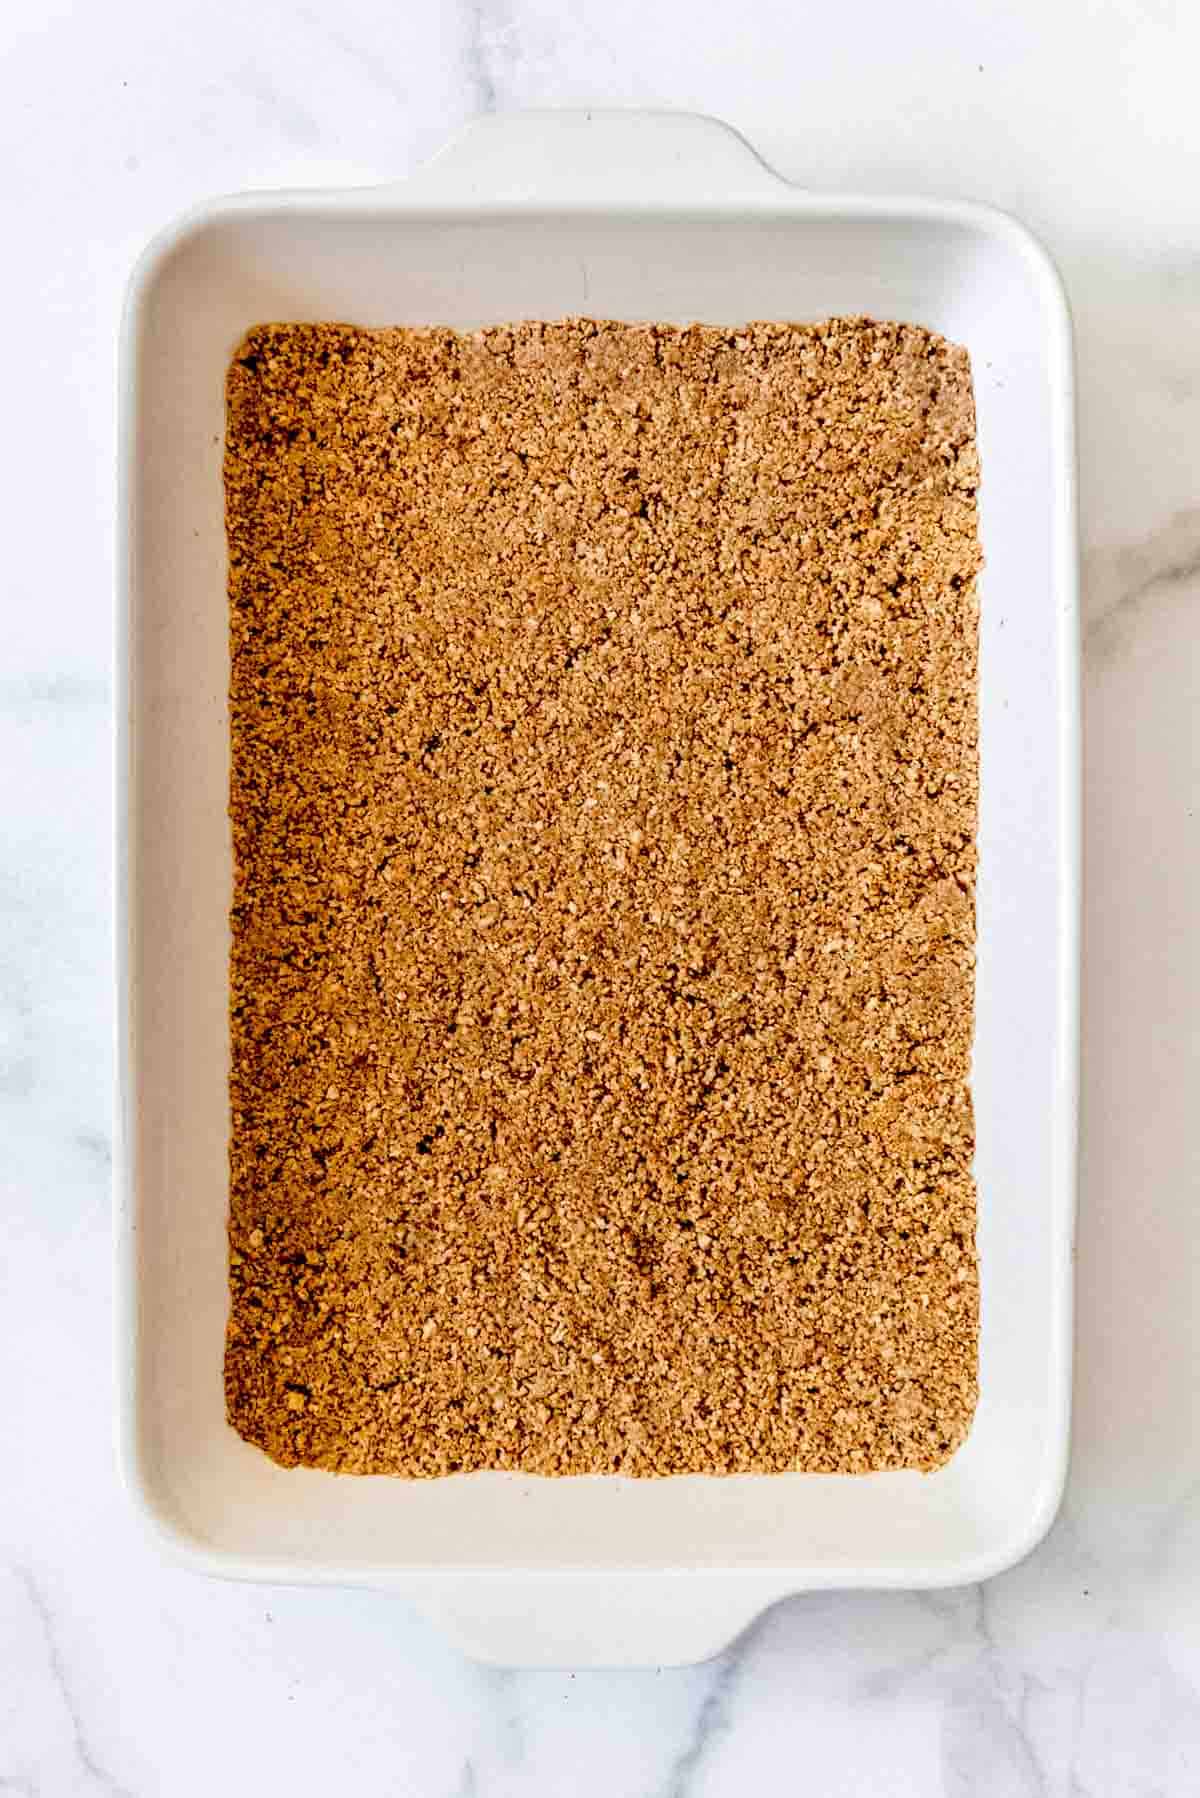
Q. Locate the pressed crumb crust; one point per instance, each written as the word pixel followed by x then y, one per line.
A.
pixel 604 781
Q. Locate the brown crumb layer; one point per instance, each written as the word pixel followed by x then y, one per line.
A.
pixel 604 799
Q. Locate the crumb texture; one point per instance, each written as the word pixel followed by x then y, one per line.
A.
pixel 604 782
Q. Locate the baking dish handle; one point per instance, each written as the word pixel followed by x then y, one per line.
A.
pixel 600 158
pixel 659 1618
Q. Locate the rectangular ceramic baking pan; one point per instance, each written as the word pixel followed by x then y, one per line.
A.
pixel 630 216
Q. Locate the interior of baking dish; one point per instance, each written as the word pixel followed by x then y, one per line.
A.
pixel 669 220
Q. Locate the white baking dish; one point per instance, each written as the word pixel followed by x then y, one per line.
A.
pixel 633 216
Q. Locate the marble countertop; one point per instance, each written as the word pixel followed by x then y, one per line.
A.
pixel 1077 1675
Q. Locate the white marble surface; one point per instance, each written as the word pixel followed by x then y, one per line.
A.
pixel 1078 1674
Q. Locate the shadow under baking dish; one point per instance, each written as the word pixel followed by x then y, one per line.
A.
pixel 589 1569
